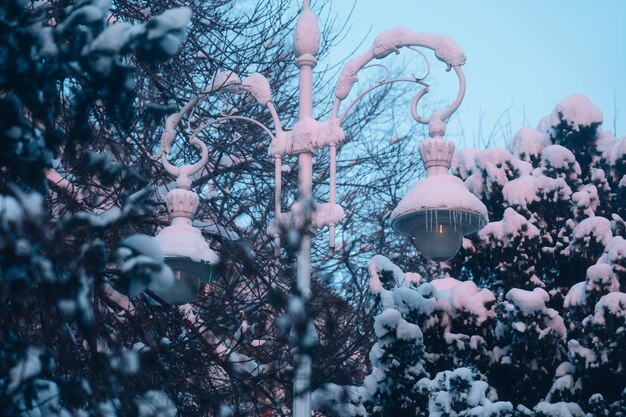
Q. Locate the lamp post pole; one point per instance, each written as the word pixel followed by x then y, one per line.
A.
pixel 306 46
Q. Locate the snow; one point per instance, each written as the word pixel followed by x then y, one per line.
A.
pixel 576 352
pixel 528 143
pixel 560 159
pixel 455 296
pixel 306 39
pixel 597 227
pixel 613 149
pixel 113 38
pixel 102 220
pixel 379 263
pixel 344 401
pixel 246 365
pixel 170 28
pixel 613 303
pixel 577 295
pixel 560 385
pixel 258 85
pixel 86 14
pixel 463 162
pixel 44 401
pixel 307 134
pixel 10 210
pixel 576 110
pixel 614 253
pixel 497 162
pixel 440 192
pixel 600 277
pixel 184 240
pixel 586 199
pixel 528 189
pixel 408 331
pixel 127 362
pixel 407 301
pixel 47 46
pixel 509 229
pixel 449 390
pixel 554 325
pixel 143 244
pixel 390 320
pixel 565 368
pixel 561 409
pixel 27 368
pixel 529 302
pixel 326 214
pixel 155 403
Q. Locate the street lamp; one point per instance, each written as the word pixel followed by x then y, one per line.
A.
pixel 185 249
pixel 437 212
pixel 439 209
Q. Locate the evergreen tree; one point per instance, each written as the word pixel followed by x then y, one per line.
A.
pixel 538 317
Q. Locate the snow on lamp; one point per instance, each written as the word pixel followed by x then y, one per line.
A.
pixel 439 210
pixel 185 249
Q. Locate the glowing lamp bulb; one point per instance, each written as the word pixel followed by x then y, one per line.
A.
pixel 439 243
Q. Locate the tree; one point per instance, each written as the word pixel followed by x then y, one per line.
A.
pixel 86 87
pixel 535 325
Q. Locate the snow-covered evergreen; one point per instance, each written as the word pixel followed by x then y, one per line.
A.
pixel 530 319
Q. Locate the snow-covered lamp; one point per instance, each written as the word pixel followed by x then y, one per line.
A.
pixel 439 210
pixel 185 249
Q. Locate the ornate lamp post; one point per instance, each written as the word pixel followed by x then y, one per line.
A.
pixel 185 250
pixel 437 212
pixel 439 209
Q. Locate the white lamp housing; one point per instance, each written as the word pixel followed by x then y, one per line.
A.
pixel 185 249
pixel 439 210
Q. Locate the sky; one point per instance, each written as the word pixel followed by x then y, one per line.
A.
pixel 522 56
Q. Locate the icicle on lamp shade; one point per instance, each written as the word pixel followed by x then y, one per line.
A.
pixel 438 211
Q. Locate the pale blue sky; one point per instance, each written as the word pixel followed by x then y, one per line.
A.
pixel 526 55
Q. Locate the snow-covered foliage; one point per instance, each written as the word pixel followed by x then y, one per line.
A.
pixel 535 323
pixel 86 88
pixel 528 321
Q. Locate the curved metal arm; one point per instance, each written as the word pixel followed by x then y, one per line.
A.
pixel 181 173
pixel 441 115
pixel 255 83
pixel 223 118
pixel 446 50
pixel 370 89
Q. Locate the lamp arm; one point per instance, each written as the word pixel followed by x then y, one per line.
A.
pixel 445 114
pixel 445 49
pixel 257 85
pixel 182 173
pixel 232 117
pixel 370 89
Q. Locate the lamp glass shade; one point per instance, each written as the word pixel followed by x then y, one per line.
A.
pixel 188 274
pixel 439 243
pixel 438 233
